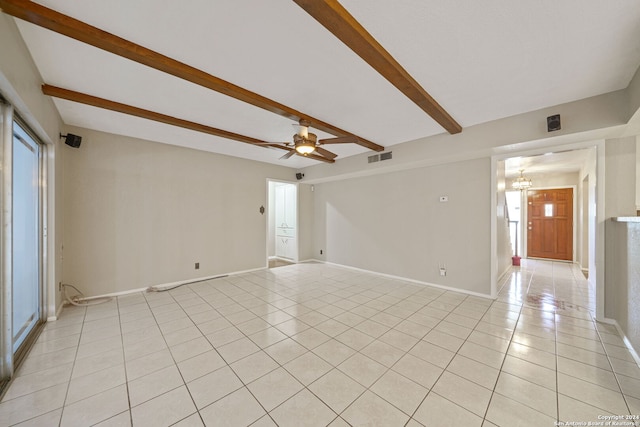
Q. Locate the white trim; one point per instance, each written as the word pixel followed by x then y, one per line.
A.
pixel 627 343
pixel 493 274
pixel 57 316
pixel 406 279
pixel 6 251
pixel 599 261
pixel 170 284
pixel 50 288
pixel 271 221
pixel 505 273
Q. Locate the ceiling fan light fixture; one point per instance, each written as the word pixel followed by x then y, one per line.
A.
pixel 521 183
pixel 305 145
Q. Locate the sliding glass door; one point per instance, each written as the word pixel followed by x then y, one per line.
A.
pixel 26 228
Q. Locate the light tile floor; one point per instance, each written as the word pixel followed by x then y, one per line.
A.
pixel 316 345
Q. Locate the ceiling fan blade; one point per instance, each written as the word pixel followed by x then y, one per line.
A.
pixel 326 153
pixel 317 157
pixel 289 154
pixel 279 144
pixel 340 140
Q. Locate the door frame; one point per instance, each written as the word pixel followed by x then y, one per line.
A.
pixel 503 153
pixel 10 111
pixel 42 238
pixel 574 233
pixel 269 218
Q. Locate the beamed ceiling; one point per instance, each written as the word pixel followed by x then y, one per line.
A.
pixel 223 75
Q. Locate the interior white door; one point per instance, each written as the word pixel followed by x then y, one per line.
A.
pixel 26 237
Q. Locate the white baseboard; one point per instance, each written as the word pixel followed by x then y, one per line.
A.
pixel 171 284
pixel 406 279
pixel 58 311
pixel 504 273
pixel 627 343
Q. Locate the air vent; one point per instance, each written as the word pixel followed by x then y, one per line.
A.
pixel 386 156
pixel 374 158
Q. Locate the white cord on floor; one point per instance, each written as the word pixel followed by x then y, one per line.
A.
pixel 155 288
pixel 79 300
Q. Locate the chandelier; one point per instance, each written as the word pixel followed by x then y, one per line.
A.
pixel 521 183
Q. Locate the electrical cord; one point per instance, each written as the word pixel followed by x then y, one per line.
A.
pixel 155 288
pixel 79 300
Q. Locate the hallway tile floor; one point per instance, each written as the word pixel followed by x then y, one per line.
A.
pixel 318 345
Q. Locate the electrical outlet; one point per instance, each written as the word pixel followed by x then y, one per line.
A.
pixel 320 251
pixel 59 286
pixel 443 271
pixel 197 266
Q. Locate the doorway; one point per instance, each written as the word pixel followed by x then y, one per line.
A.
pixel 282 224
pixel 550 224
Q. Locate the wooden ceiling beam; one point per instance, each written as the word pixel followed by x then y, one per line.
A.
pixel 106 104
pixel 78 30
pixel 335 18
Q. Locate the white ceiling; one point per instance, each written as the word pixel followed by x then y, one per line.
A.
pixel 559 162
pixel 480 60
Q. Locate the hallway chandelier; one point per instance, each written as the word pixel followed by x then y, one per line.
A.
pixel 521 183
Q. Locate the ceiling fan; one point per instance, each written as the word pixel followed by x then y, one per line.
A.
pixel 306 143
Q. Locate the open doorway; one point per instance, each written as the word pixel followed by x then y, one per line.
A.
pixel 282 220
pixel 576 168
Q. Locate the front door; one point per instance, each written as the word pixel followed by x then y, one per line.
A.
pixel 550 224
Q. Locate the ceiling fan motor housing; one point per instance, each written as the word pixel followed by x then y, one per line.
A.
pixel 305 145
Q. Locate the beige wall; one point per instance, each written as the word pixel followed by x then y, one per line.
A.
pixel 394 224
pixel 305 223
pixel 622 256
pixel 20 84
pixel 139 213
pixel 623 277
pixel 620 183
pixel 551 180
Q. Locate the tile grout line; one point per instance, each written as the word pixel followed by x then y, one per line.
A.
pixel 66 395
pixel 500 371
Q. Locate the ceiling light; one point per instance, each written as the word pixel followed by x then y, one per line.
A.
pixel 521 183
pixel 305 141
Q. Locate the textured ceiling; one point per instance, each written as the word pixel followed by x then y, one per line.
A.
pixel 480 60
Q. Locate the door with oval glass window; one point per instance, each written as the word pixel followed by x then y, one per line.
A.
pixel 550 224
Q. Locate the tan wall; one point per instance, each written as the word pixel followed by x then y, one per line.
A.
pixel 623 277
pixel 394 224
pixel 20 84
pixel 139 213
pixel 620 170
pixel 622 255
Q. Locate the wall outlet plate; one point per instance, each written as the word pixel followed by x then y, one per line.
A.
pixel 444 199
pixel 197 265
